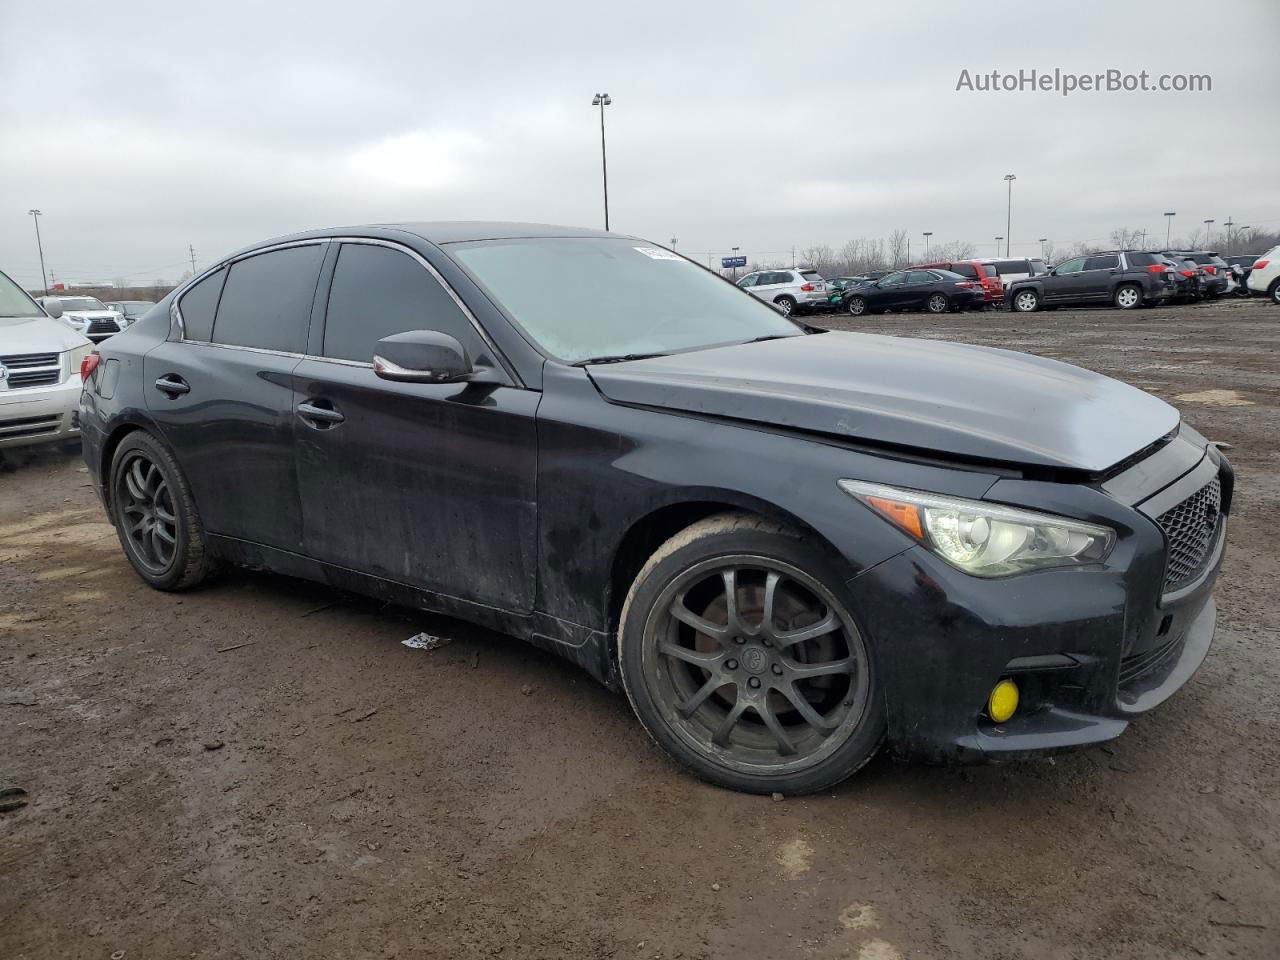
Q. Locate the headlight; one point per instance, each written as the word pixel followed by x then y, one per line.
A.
pixel 75 357
pixel 79 323
pixel 986 539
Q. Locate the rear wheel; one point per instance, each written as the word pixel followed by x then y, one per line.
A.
pixel 1128 296
pixel 741 659
pixel 1026 301
pixel 1273 291
pixel 856 306
pixel 786 304
pixel 938 303
pixel 155 516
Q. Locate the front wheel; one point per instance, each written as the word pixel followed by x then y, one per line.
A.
pixel 856 306
pixel 938 304
pixel 155 516
pixel 1026 301
pixel 786 305
pixel 1128 296
pixel 741 659
pixel 1273 291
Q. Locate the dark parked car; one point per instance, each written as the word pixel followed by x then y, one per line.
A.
pixel 1213 270
pixel 1124 278
pixel 785 547
pixel 1186 280
pixel 837 286
pixel 937 291
pixel 983 273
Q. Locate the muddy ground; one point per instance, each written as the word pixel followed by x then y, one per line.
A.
pixel 260 769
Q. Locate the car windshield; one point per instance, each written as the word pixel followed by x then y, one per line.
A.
pixel 14 302
pixel 82 303
pixel 586 298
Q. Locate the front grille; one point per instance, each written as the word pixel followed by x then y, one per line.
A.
pixel 1189 529
pixel 103 326
pixel 31 369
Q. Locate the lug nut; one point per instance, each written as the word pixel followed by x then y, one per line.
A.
pixel 740 640
pixel 732 664
pixel 777 668
pixel 754 683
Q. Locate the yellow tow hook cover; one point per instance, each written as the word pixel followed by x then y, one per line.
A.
pixel 1003 702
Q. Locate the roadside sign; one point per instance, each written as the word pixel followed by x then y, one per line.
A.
pixel 727 262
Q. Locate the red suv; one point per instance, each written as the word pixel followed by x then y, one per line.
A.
pixel 992 286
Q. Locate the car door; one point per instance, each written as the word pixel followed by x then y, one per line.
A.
pixel 767 286
pixel 916 289
pixel 1065 281
pixel 222 395
pixel 1098 276
pixel 427 484
pixel 888 293
pixel 749 282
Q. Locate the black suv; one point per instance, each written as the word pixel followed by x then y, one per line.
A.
pixel 1212 268
pixel 1125 278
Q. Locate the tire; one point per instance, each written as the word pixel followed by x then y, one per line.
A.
pixel 1273 291
pixel 1025 301
pixel 856 306
pixel 155 516
pixel 938 303
pixel 1128 296
pixel 788 305
pixel 737 697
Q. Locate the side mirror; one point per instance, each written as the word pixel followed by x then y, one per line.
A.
pixel 53 307
pixel 421 356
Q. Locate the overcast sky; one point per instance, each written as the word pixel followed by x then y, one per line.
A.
pixel 140 127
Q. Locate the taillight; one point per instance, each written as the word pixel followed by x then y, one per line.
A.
pixel 1260 264
pixel 807 288
pixel 1210 270
pixel 1157 268
pixel 1187 273
pixel 964 283
pixel 88 365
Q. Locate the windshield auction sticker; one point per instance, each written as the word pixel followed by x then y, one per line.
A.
pixel 655 253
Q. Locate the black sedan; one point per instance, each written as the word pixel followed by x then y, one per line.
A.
pixel 937 291
pixel 786 546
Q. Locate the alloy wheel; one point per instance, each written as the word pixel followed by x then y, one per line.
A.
pixel 784 305
pixel 1025 302
pixel 147 513
pixel 756 664
pixel 1127 297
pixel 937 303
pixel 857 306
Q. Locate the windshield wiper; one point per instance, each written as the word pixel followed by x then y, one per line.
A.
pixel 617 358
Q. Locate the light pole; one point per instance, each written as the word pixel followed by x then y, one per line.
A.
pixel 1043 241
pixel 44 278
pixel 673 243
pixel 1240 233
pixel 602 100
pixel 1008 225
pixel 1229 223
pixel 998 239
pixel 735 266
pixel 1168 226
pixel 1208 231
pixel 927 235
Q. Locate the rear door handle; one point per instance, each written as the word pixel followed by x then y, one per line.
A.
pixel 319 417
pixel 173 385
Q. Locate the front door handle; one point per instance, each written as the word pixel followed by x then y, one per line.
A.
pixel 319 417
pixel 172 385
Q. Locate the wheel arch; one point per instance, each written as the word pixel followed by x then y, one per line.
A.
pixel 113 437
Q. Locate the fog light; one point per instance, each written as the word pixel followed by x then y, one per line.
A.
pixel 1003 702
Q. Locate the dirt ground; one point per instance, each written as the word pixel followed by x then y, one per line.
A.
pixel 260 769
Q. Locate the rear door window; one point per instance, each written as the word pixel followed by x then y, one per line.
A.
pixel 198 304
pixel 1105 262
pixel 1142 259
pixel 1012 266
pixel 266 301
pixel 377 292
pixel 920 276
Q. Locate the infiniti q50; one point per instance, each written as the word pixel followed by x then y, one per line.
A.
pixel 786 546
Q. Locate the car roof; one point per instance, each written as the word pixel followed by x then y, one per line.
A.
pixel 452 231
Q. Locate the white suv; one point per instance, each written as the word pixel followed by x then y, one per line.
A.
pixel 39 372
pixel 800 290
pixel 87 315
pixel 1264 278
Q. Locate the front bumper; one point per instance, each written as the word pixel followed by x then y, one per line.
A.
pixel 32 415
pixel 1090 649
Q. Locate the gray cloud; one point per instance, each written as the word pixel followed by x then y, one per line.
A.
pixel 755 125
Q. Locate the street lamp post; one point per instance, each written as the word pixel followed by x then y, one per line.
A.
pixel 735 266
pixel 1008 225
pixel 602 100
pixel 673 243
pixel 1043 241
pixel 1208 231
pixel 1168 226
pixel 998 239
pixel 927 235
pixel 44 277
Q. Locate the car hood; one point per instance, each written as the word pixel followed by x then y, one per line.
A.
pixel 945 398
pixel 37 335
